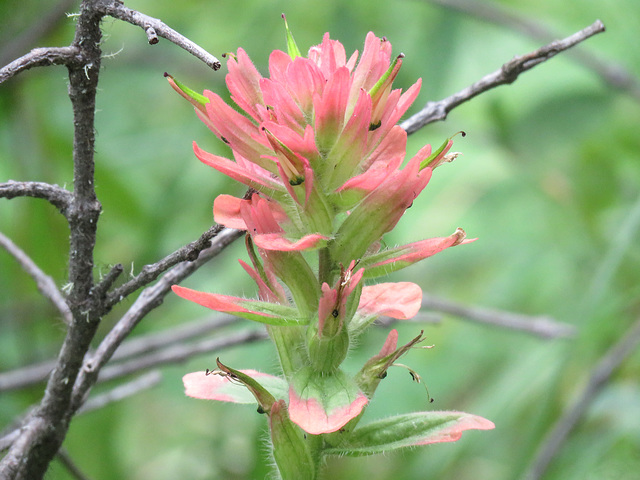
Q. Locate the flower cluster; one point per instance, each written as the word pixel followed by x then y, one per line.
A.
pixel 319 146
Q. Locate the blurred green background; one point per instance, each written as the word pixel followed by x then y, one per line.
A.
pixel 549 182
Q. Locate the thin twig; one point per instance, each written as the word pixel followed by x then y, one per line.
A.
pixel 172 336
pixel 33 374
pixel 45 429
pixel 508 73
pixel 600 375
pixel 613 74
pixel 150 272
pixel 9 439
pixel 118 10
pixel 55 195
pixel 149 298
pixel 128 389
pixel 44 282
pixel 545 327
pixel 99 292
pixel 70 465
pixel 13 45
pixel 172 355
pixel 41 57
pixel 180 353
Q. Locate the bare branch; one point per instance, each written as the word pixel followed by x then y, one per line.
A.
pixel 45 283
pixel 99 292
pixel 508 73
pixel 20 40
pixel 149 298
pixel 154 28
pixel 9 439
pixel 161 340
pixel 171 355
pixel 70 465
pixel 544 327
pixel 180 353
pixel 45 429
pixel 41 57
pixel 600 375
pixel 613 74
pixel 149 273
pixel 36 373
pixel 55 195
pixel 143 382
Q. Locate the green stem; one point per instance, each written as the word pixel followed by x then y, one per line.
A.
pixel 325 266
pixel 290 345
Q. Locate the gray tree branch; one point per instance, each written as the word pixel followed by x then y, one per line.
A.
pixel 612 74
pixel 154 28
pixel 542 326
pixel 600 376
pixel 55 195
pixel 44 282
pixel 41 57
pixel 508 73
pixel 13 45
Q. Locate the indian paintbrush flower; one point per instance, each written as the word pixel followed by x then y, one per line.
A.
pixel 318 142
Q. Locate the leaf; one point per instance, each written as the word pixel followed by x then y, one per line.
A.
pixel 210 386
pixel 409 430
pixel 262 312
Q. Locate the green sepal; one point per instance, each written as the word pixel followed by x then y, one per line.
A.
pixel 263 397
pixel 369 377
pixel 381 81
pixel 372 271
pixel 327 353
pixel 427 162
pixel 198 98
pixel 271 314
pixel 292 47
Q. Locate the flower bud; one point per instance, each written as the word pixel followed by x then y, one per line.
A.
pixel 327 352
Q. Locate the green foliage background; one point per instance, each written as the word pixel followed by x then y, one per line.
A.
pixel 549 183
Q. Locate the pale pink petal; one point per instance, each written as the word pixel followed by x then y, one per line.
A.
pixel 282 104
pixel 417 251
pixel 242 135
pixel 279 62
pixel 251 177
pixel 390 344
pixel 214 301
pixel 226 211
pixel 216 387
pixel 454 432
pixel 401 300
pixel 374 61
pixel 259 216
pixel 309 415
pixel 391 150
pixel 329 55
pixel 278 241
pixel 330 108
pixel 304 79
pixel 243 81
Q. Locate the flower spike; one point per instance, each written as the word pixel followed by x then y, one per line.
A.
pixel 318 145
